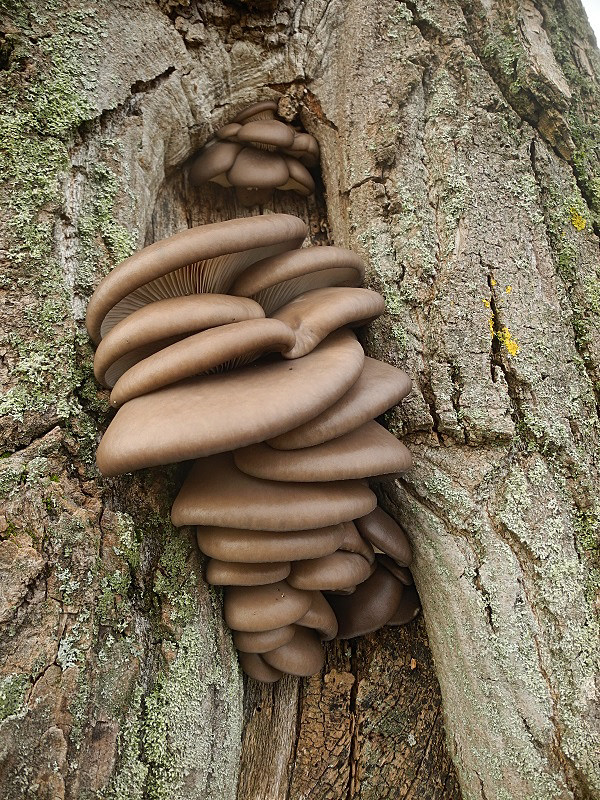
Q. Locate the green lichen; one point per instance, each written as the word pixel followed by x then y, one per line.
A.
pixel 175 581
pixel 130 777
pixel 13 689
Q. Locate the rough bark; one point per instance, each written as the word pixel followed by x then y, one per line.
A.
pixel 459 157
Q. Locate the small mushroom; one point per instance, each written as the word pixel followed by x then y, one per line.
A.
pixel 223 573
pixel 408 609
pixel 214 162
pixel 266 133
pixel 370 450
pixel 242 545
pixel 299 180
pixel 263 608
pixel 142 332
pixel 369 607
pixel 277 280
pixel 263 641
pixel 320 617
pixel 194 418
pixel 255 667
pixel 314 315
pixel 302 656
pixel 379 387
pixel 258 169
pixel 265 109
pixel 229 345
pixel 203 259
pixel 385 533
pixel 217 493
pixel 339 570
pixel 305 148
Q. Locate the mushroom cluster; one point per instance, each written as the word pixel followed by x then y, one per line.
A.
pixel 230 345
pixel 257 153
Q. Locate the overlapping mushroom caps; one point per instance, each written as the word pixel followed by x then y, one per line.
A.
pixel 230 346
pixel 257 153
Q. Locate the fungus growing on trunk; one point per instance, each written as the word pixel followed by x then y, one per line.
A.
pixel 229 345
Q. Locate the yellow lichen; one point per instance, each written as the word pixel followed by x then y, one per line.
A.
pixel 505 338
pixel 493 282
pixel 485 302
pixel 508 289
pixel 578 221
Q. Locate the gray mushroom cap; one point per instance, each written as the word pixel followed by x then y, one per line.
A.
pixel 302 656
pixel 408 608
pixel 263 641
pixel 224 573
pixel 339 570
pixel 385 533
pixel 320 617
pixel 263 608
pixel 256 667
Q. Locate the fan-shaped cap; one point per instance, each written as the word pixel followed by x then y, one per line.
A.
pixel 276 280
pixel 228 131
pixel 255 667
pixel 369 450
pixel 379 387
pixel 213 163
pixel 305 148
pixel 200 353
pixel 263 641
pixel 260 169
pixel 299 180
pixel 314 315
pixel 263 608
pixel 302 656
pixel 139 334
pixel 370 607
pixel 408 609
pixel 265 109
pixel 385 533
pixel 336 571
pixel 225 573
pixel 320 617
pixel 194 418
pixel 206 258
pixel 217 493
pixel 269 131
pixel 242 545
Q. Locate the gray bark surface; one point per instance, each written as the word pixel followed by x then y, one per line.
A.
pixel 460 158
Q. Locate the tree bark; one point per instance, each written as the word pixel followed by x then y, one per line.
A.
pixel 460 158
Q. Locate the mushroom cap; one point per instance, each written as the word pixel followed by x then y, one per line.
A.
pixel 368 608
pixel 408 609
pixel 224 573
pixel 339 570
pixel 369 450
pixel 228 131
pixel 268 131
pixel 217 493
pixel 206 258
pixel 258 168
pixel 242 545
pixel 278 279
pixel 379 387
pixel 403 574
pixel 255 667
pixel 385 533
pixel 262 641
pixel 305 148
pixel 263 110
pixel 314 315
pixel 196 417
pixel 300 180
pixel 320 617
pixel 263 608
pixel 202 352
pixel 213 162
pixel 152 324
pixel 302 656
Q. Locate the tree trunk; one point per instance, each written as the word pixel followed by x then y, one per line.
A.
pixel 460 158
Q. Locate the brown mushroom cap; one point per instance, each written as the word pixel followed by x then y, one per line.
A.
pixel 276 280
pixel 368 608
pixel 264 110
pixel 385 533
pixel 202 259
pixel 223 573
pixel 262 641
pixel 302 656
pixel 408 609
pixel 133 338
pixel 320 617
pixel 339 570
pixel 266 132
pixel 263 608
pixel 255 667
pixel 300 180
pixel 261 169
pixel 369 450
pixel 228 131
pixel 242 545
pixel 379 387
pixel 230 345
pixel 194 418
pixel 305 148
pixel 213 163
pixel 314 315
pixel 217 493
